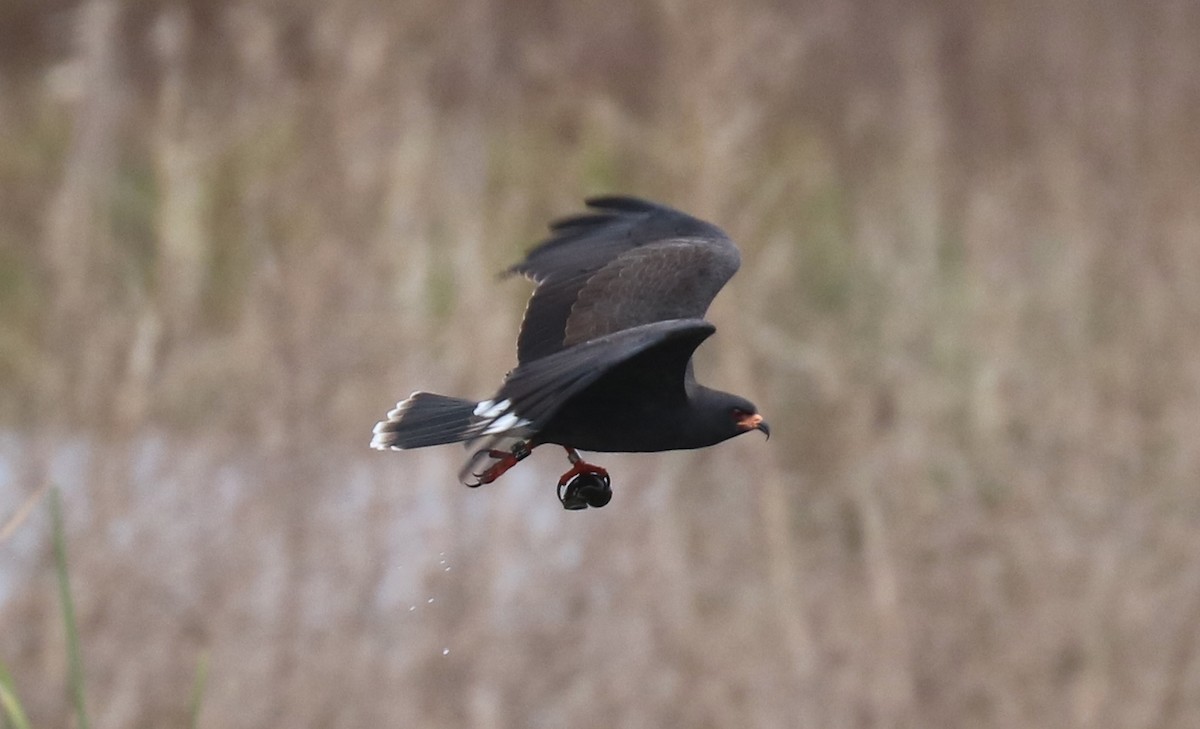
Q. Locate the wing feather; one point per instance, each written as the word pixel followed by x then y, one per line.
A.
pixel 625 263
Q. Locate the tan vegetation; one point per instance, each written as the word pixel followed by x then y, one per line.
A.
pixel 232 234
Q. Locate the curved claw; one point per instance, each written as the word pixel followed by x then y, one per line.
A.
pixel 583 485
pixel 504 461
pixel 479 475
pixel 580 468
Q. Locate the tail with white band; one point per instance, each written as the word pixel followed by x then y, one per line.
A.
pixel 426 419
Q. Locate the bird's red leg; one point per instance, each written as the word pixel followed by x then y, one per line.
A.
pixel 579 466
pixel 584 485
pixel 505 461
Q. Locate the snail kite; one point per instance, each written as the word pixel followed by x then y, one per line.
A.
pixel 604 356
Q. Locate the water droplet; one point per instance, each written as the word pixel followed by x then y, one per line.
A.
pixel 447 569
pixel 411 608
pixel 430 601
pixel 445 651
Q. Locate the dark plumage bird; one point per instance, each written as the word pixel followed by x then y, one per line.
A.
pixel 604 357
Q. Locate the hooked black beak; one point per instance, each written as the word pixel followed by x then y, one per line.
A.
pixel 755 422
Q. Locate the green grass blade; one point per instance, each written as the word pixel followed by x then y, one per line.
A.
pixel 13 710
pixel 75 661
pixel 198 690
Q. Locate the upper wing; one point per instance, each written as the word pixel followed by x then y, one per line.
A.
pixel 627 263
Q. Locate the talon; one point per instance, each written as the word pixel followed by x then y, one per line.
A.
pixel 584 485
pixel 587 489
pixel 504 461
pixel 490 453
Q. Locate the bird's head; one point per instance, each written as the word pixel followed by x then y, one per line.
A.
pixel 726 415
pixel 749 420
pixel 745 417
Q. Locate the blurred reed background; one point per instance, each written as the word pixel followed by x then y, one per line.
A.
pixel 232 234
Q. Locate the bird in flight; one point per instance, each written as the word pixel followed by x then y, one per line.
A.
pixel 604 355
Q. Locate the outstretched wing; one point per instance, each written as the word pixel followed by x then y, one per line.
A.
pixel 628 262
